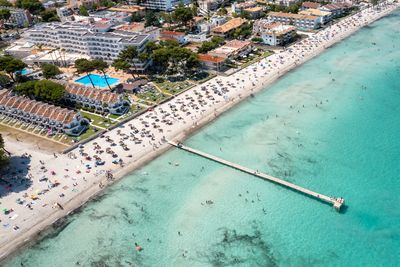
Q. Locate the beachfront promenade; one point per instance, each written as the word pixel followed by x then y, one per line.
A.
pixel 336 202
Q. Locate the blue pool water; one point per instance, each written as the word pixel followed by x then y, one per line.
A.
pixel 98 80
pixel 340 138
pixel 25 71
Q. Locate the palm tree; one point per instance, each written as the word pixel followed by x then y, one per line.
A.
pixel 84 65
pixel 101 65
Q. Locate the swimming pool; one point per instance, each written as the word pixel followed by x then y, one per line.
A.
pixel 24 71
pixel 98 80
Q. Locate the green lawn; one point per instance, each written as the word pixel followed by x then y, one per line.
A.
pixel 152 96
pixel 114 117
pixel 174 87
pixel 97 120
pixel 89 132
pixel 250 60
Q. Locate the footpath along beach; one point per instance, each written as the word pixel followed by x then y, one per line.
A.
pixel 72 179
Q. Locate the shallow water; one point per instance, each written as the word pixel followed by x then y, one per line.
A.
pixel 343 142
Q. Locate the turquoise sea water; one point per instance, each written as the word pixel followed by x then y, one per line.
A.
pixel 344 142
pixel 98 80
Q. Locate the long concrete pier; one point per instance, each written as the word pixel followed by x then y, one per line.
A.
pixel 336 202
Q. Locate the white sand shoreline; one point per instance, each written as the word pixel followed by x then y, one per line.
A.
pixel 32 228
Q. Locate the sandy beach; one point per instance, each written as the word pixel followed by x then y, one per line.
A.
pixel 58 184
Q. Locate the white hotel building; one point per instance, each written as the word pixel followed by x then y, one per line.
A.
pixel 90 39
pixel 164 5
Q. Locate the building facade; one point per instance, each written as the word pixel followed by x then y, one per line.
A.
pixel 205 6
pixel 87 39
pixel 274 33
pixel 19 17
pixel 52 118
pixel 164 5
pixel 232 49
pixel 323 16
pixel 238 7
pixel 103 102
pixel 227 28
pixel 301 21
pixel 337 10
pixel 180 37
pixel 213 63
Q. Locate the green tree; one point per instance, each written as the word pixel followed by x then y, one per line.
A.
pixel 49 91
pixel 26 88
pixel 160 58
pixel 34 6
pixel 83 11
pixel 129 55
pixel 167 17
pixel 102 66
pixel 222 11
pixel 5 14
pixel 11 65
pixel 45 90
pixel 4 80
pixel 50 70
pixel 243 31
pixel 49 16
pixel 151 46
pixel 3 153
pixel 174 59
pixel 106 3
pixel 257 40
pixel 192 63
pixel 169 43
pixel 136 18
pixel 84 65
pixel 5 3
pixel 182 14
pixel 210 45
pixel 120 64
pixel 245 14
pixel 151 19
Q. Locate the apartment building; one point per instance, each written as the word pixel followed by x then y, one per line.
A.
pixel 213 63
pixel 163 5
pixel 227 28
pixel 44 115
pixel 302 21
pixel 238 7
pixel 205 6
pixel 232 49
pixel 337 10
pixel 323 16
pixel 19 17
pixel 90 39
pixel 274 33
pixel 180 37
pixel 307 5
pixel 64 13
pixel 96 99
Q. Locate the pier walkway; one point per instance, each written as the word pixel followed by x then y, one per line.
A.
pixel 336 202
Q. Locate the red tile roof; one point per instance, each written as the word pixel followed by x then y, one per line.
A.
pixel 27 105
pixel 310 5
pixel 172 33
pixel 209 58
